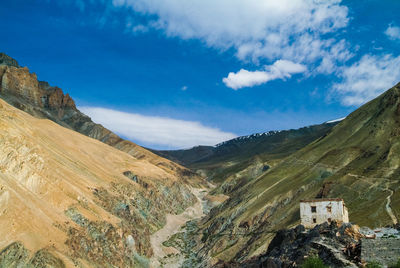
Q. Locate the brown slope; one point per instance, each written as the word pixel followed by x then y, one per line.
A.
pixel 64 197
pixel 23 90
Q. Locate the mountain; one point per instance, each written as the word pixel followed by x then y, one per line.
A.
pixel 358 160
pixel 67 199
pixel 21 88
pixel 257 152
pixel 74 194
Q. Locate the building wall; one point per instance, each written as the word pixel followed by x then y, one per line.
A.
pixel 338 212
pixel 345 214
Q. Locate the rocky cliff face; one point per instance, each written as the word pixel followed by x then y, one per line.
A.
pixel 21 88
pixel 336 246
pixel 8 61
pixel 21 85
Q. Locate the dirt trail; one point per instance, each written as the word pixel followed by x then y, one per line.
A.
pixel 388 198
pixel 173 225
pixel 389 209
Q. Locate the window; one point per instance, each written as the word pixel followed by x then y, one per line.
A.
pixel 313 209
pixel 329 209
pixel 314 220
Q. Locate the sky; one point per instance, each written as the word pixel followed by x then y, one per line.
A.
pixel 170 74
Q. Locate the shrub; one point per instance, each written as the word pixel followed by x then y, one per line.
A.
pixel 397 265
pixel 314 262
pixel 374 264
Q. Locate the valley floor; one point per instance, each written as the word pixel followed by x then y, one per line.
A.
pixel 173 226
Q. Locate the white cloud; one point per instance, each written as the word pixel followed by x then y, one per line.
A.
pixel 281 69
pixel 393 32
pixel 367 78
pixel 157 131
pixel 244 78
pixel 184 88
pixel 256 29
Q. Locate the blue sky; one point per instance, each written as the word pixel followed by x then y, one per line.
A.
pixel 176 73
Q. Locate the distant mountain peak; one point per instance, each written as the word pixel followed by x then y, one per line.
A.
pixel 7 60
pixel 251 136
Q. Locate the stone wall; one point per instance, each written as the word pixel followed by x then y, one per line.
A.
pixel 385 251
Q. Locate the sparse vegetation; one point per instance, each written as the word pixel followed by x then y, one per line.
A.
pixel 314 262
pixel 374 264
pixel 396 265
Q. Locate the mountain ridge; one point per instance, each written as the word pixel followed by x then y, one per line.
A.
pixel 358 160
pixel 22 89
pixel 255 153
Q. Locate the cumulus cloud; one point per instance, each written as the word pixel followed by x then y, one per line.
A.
pixel 367 78
pixel 157 131
pixel 393 32
pixel 244 78
pixel 257 30
pixel 281 69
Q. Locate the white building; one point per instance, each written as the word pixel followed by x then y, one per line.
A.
pixel 317 211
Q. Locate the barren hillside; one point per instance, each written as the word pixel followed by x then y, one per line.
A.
pixel 69 199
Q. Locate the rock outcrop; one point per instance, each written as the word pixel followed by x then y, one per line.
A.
pixel 7 60
pixel 336 246
pixel 23 88
pixel 16 255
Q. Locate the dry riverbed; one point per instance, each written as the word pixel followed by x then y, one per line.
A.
pixel 173 225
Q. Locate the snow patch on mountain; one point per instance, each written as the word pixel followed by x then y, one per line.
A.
pixel 336 120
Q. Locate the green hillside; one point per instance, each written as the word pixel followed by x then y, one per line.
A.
pixel 256 152
pixel 358 161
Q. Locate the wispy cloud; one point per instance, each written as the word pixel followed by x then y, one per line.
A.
pixel 140 28
pixel 393 32
pixel 281 69
pixel 161 132
pixel 367 78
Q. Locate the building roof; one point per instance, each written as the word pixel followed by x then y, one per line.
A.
pixel 320 200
